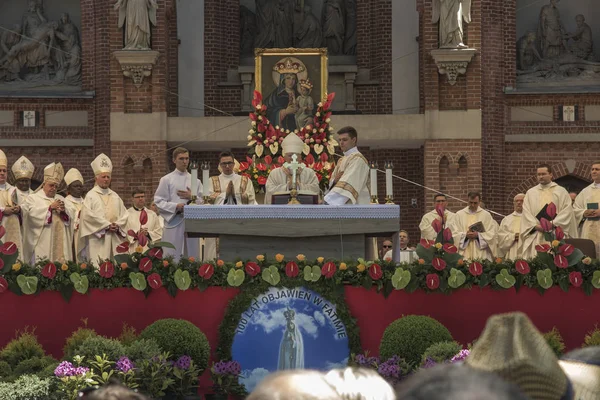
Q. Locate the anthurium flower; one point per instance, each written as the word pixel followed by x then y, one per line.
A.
pixel 566 249
pixel 433 281
pixel 123 248
pixel 575 278
pixel 438 263
pixel 543 248
pixel 143 217
pixel 436 224
pixel 49 270
pixel 206 271
pixel 551 210
pixel 559 233
pixel 106 270
pixel 475 268
pixel 448 235
pixel 426 243
pixel 450 248
pixel 3 285
pixel 291 269
pixel 561 261
pixel 375 272
pixel 8 248
pixel 439 209
pixel 2 229
pixel 328 269
pixel 154 280
pixel 546 225
pixel 145 264
pixel 156 252
pixel 522 267
pixel 252 268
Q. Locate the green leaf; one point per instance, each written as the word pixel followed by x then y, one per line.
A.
pixel 587 288
pixel 367 282
pixel 425 254
pixel 505 280
pixel 563 283
pixel 596 279
pixel 166 245
pixel 9 261
pixel 484 280
pixel 235 277
pixel 546 259
pixel 544 278
pixel 271 275
pixel 312 274
pixel 182 279
pixel 451 259
pixel 172 289
pixel 80 283
pixel 66 291
pixel 576 256
pixel 28 284
pixel 387 289
pixel 138 280
pixel 400 279
pixel 456 278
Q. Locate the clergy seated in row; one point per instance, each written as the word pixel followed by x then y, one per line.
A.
pixel 151 229
pixel 534 208
pixel 10 210
pixel 474 230
pixel 229 187
pixel 280 179
pixel 407 253
pixel 103 220
pixel 586 210
pixel 173 193
pixel 427 231
pixel 74 181
pixel 510 231
pixel 349 182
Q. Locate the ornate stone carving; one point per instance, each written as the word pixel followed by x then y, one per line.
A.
pixel 452 62
pixel 136 64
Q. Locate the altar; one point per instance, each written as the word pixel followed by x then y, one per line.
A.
pixel 338 232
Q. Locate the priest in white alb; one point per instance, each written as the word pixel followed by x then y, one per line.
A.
pixel 22 170
pixel 173 193
pixel 510 231
pixel 536 199
pixel 280 179
pixel 474 231
pixel 10 213
pixel 103 217
pixel 151 229
pixel 587 209
pixel 427 231
pixel 47 221
pixel 349 182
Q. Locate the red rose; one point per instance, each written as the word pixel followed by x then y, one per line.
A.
pixel 49 271
pixel 145 264
pixel 543 248
pixel 328 269
pixel 252 268
pixel 476 268
pixel 575 278
pixel 8 248
pixel 291 269
pixel 560 261
pixel 206 271
pixel 566 250
pixel 3 285
pixel 450 248
pixel 522 267
pixel 123 247
pixel 154 280
pixel 107 269
pixel 261 180
pixel 560 234
pixel 438 263
pixel 433 281
pixel 375 272
pixel 156 252
pixel 436 224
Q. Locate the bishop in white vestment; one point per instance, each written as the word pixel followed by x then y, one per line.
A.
pixel 22 170
pixel 587 209
pixel 10 211
pixel 427 231
pixel 47 221
pixel 103 217
pixel 74 199
pixel 151 228
pixel 510 231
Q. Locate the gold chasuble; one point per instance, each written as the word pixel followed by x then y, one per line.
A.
pixel 589 198
pixel 508 247
pixel 349 182
pixel 482 247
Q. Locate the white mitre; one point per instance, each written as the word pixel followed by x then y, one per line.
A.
pixel 102 165
pixel 54 173
pixel 23 168
pixel 3 159
pixel 73 175
pixel 292 144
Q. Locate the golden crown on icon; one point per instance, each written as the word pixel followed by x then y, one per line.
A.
pixel 288 66
pixel 306 83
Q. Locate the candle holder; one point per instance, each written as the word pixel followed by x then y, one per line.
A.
pixel 389 200
pixel 293 197
pixel 374 200
pixel 205 166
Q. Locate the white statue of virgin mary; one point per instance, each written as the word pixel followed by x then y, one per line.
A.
pixel 291 348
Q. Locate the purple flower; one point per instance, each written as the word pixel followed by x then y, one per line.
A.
pixel 227 368
pixel 124 365
pixel 429 362
pixel 183 362
pixel 460 356
pixel 65 368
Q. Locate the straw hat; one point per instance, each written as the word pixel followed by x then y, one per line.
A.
pixel 585 378
pixel 511 347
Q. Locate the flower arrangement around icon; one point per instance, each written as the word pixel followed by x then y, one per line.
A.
pixel 225 376
pixel 264 142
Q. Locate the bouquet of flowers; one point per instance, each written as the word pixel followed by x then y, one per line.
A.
pixel 225 376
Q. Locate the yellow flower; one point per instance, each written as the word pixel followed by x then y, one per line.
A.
pixel 254 170
pixel 64 267
pixel 255 176
pixel 260 257
pixel 421 261
pixel 220 263
pixel 239 264
pixel 361 267
pixel 555 243
pixel 301 257
pixel 320 259
pixel 343 266
pixel 279 257
pixel 83 266
pixel 438 246
pixel 587 261
pixel 124 265
pixel 139 249
pixel 16 266
pixel 498 260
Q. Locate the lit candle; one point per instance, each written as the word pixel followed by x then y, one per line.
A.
pixel 205 178
pixel 388 180
pixel 194 185
pixel 373 179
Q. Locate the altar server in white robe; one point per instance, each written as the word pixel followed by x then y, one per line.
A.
pixel 280 179
pixel 349 182
pixel 173 193
pixel 151 228
pixel 474 243
pixel 103 217
pixel 538 197
pixel 47 221
pixel 10 212
pixel 510 231
pixel 427 231
pixel 74 198
pixel 587 209
pixel 22 170
pixel 161 220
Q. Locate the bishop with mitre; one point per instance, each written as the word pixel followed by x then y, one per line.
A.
pixel 10 213
pixel 22 170
pixel 47 221
pixel 103 216
pixel 74 199
pixel 280 179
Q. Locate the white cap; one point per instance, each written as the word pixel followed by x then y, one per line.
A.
pixel 73 175
pixel 102 165
pixel 292 144
pixel 54 173
pixel 3 159
pixel 23 168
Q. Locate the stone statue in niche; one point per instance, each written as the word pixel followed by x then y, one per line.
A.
pixel 551 31
pixel 248 30
pixel 334 26
pixel 39 52
pixel 450 15
pixel 582 44
pixel 527 54
pixel 309 35
pixel 136 16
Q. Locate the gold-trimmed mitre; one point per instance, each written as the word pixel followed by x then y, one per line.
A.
pixel 102 165
pixel 23 168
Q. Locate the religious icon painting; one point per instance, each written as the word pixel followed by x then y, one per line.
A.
pixel 292 83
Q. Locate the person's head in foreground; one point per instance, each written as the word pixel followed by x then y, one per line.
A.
pixel 339 384
pixel 582 366
pixel 112 391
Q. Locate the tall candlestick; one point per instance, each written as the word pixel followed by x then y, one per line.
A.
pixel 194 185
pixel 389 191
pixel 373 179
pixel 205 178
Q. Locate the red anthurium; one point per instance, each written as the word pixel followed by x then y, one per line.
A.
pixel 436 224
pixel 123 247
pixel 142 239
pixel 546 225
pixel 107 269
pixel 560 234
pixel 249 160
pixel 328 269
pixel 269 160
pixel 319 177
pixel 433 281
pixel 566 249
pixel 143 217
pixel 438 263
pixel 243 166
pixel 280 160
pixel 3 285
pixel 318 166
pixel 156 252
pixel 426 243
pixel 2 230
pixel 261 127
pixel 1 215
pixel 145 264
pixel 131 233
pixel 561 261
pixel 252 268
pixel 252 116
pixel 447 235
pixel 543 248
pixel 439 209
pixel 256 98
pixel 522 267
pixel 49 271
pixel 261 180
pixel 575 278
pixel 475 269
pixel 8 248
pixel 1 264
pixel 310 159
pixel 375 272
pixel 261 167
pixel 324 157
pixel 291 269
pixel 450 248
pixel 206 271
pixel 551 210
pixel 154 280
